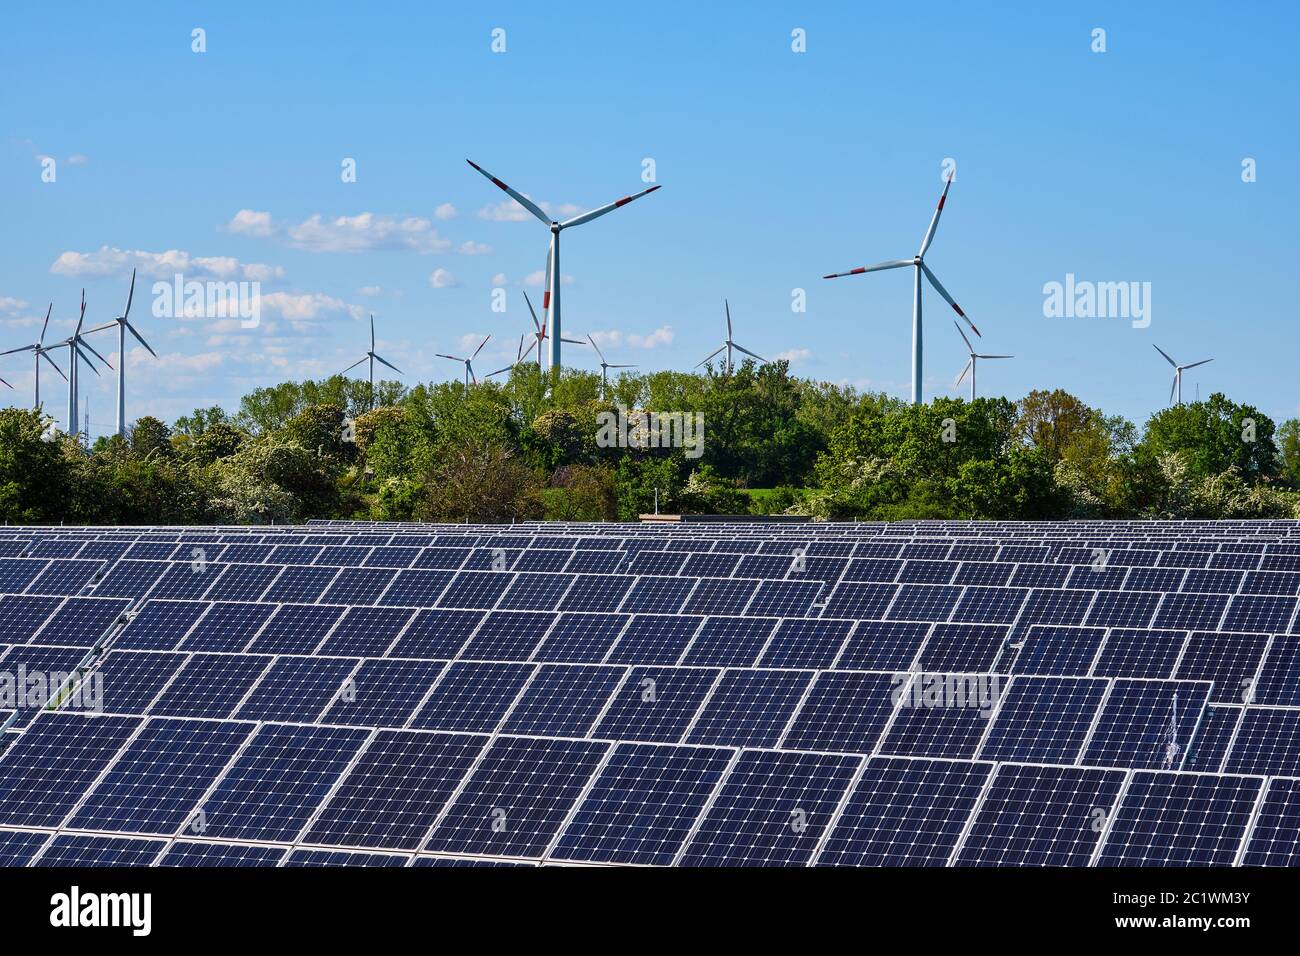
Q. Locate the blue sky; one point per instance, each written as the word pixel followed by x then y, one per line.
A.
pixel 777 167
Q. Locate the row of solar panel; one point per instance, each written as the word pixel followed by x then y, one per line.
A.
pixel 590 801
pixel 1189 553
pixel 1114 722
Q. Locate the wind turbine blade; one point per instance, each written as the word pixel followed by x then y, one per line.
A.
pixel 946 297
pixel 597 348
pixel 518 197
pixel 519 352
pixel 994 356
pixel 139 338
pixel 480 348
pixel 878 267
pixel 472 377
pixel 372 331
pixel 354 364
pixel 385 361
pixel 499 371
pixel 24 348
pixel 741 348
pixel 934 223
pixel 727 305
pixel 608 207
pixel 100 328
pixel 55 364
pixel 96 354
pixel 711 355
pixel 546 291
pixel 622 366
pixel 83 314
pixel 572 341
pixel 969 348
pixel 86 358
pixel 528 351
pixel 454 358
pixel 41 340
pixel 537 325
pixel 964 369
pixel 3 382
pixel 1174 387
pixel 1194 364
pixel 1165 354
pixel 129 296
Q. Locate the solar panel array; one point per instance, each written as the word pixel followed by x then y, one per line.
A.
pixel 929 693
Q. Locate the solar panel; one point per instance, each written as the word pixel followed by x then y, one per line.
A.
pixel 771 810
pixel 1275 835
pixel 1147 724
pixel 472 696
pixel 296 689
pixel 563 700
pixel 366 631
pixel 805 643
pixel 844 711
pixel 1043 719
pixel 77 851
pixel 189 853
pixel 656 703
pixel 749 708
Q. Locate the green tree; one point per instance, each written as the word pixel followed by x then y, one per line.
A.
pixel 1214 436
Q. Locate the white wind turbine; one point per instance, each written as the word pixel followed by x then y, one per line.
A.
pixel 519 357
pixel 39 352
pixel 970 364
pixel 372 357
pixel 1177 390
pixel 123 324
pixel 539 334
pixel 918 264
pixel 606 366
pixel 730 344
pixel 469 368
pixel 551 297
pixel 77 347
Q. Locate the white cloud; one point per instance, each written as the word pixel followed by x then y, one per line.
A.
pixel 499 279
pixel 10 304
pixel 370 290
pixel 110 261
pixel 445 211
pixel 470 248
pixel 510 211
pixel 307 307
pixel 538 278
pixel 442 279
pixel 78 159
pixel 613 337
pixel 363 232
pixel 793 355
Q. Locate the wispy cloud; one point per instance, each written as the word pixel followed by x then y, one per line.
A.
pixel 614 338
pixel 793 355
pixel 111 261
pixel 364 232
pixel 442 279
pixel 445 211
pixel 510 211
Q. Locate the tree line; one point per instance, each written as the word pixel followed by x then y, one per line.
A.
pixel 528 448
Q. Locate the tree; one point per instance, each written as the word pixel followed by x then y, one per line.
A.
pixel 149 436
pixel 481 484
pixel 1058 424
pixel 35 470
pixel 1288 451
pixel 1214 436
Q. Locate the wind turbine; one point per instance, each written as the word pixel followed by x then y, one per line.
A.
pixel 1177 389
pixel 605 366
pixel 918 264
pixel 539 334
pixel 39 352
pixel 519 357
pixel 371 356
pixel 970 365
pixel 75 343
pixel 730 344
pixel 123 324
pixel 469 368
pixel 551 297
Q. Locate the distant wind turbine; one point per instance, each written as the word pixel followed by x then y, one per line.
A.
pixel 39 352
pixel 970 364
pixel 124 325
pixel 606 366
pixel 918 264
pixel 730 344
pixel 539 334
pixel 519 357
pixel 1177 390
pixel 77 347
pixel 551 297
pixel 469 367
pixel 372 357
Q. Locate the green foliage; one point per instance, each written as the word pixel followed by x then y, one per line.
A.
pixel 35 470
pixel 1213 436
pixel 1288 451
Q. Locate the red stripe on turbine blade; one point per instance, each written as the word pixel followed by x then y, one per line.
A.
pixel 956 308
pixel 859 270
pixel 546 300
pixel 498 183
pixel 622 202
pixel 975 330
pixel 942 199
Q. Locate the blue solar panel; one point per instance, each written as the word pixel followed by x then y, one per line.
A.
pixel 354 586
pixel 806 642
pixel 563 700
pixel 582 638
pixel 343 858
pixel 518 797
pixel 508 636
pixel 1043 719
pixel 80 851
pixel 642 805
pixel 296 629
pixel 844 711
pixel 1275 835
pixel 905 813
pixel 81 621
pixel 395 792
pixel 18 847
pixel 436 634
pixel 1147 724
pixel 210 685
pixel 269 792
pixel 1040 816
pixel 189 853
pixel 771 810
pixel 1267 742
pixel 160 777
pixel 383 693
pixel 366 631
pixel 750 708
pixel 473 696
pixel 1139 653
pixel 656 703
pixel 1183 819
pixel 297 689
